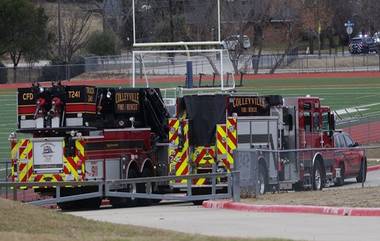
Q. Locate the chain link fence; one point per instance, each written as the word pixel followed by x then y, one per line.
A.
pixel 175 64
pixel 264 170
pixel 5 172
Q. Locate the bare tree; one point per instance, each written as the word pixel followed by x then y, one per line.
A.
pixel 242 16
pixel 112 12
pixel 342 12
pixel 75 29
pixel 290 20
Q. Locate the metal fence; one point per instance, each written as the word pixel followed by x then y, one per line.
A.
pixel 295 169
pixel 169 65
pixel 5 172
pixel 116 188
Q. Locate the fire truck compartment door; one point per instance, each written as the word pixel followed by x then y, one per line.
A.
pixel 258 132
pixel 261 133
pixel 94 169
pixel 48 154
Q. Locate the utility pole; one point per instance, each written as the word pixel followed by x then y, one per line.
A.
pixel 59 30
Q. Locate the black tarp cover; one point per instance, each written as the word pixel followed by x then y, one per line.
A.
pixel 204 112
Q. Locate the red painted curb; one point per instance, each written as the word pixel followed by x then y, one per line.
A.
pixel 338 211
pixel 373 168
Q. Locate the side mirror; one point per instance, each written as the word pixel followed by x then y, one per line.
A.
pixel 290 122
pixel 331 121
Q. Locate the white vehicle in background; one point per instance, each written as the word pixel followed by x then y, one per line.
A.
pixel 232 41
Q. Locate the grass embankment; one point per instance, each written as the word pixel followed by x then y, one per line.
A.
pixel 25 222
pixel 359 197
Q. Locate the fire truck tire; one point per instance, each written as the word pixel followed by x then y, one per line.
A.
pixel 66 206
pixel 317 175
pixel 93 203
pixel 361 177
pixel 200 191
pixel 118 202
pixel 147 172
pixel 340 181
pixel 262 179
pixel 85 204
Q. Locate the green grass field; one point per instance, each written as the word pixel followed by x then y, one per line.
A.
pixel 339 93
pixel 7 123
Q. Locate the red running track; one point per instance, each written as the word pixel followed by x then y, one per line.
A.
pixel 365 133
pixel 178 79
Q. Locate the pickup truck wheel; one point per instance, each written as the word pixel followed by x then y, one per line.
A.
pixel 362 175
pixel 317 176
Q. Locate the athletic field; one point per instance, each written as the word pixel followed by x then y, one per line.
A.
pixel 348 93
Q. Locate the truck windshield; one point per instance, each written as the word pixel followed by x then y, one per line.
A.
pixel 325 121
pixel 307 119
pixel 316 122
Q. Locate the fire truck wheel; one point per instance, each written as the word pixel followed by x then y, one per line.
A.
pixel 93 203
pixel 317 176
pixel 147 172
pixel 362 176
pixel 117 202
pixel 340 181
pixel 262 179
pixel 86 204
pixel 200 191
pixel 66 206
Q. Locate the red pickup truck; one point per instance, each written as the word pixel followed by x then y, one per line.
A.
pixel 349 160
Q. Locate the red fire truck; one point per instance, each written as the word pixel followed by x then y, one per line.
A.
pixel 84 133
pixel 293 134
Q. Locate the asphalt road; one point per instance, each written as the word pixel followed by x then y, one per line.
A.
pixel 185 217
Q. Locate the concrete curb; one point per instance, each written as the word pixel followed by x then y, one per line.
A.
pixel 373 168
pixel 337 211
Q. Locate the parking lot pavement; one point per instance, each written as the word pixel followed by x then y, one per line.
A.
pixel 197 220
